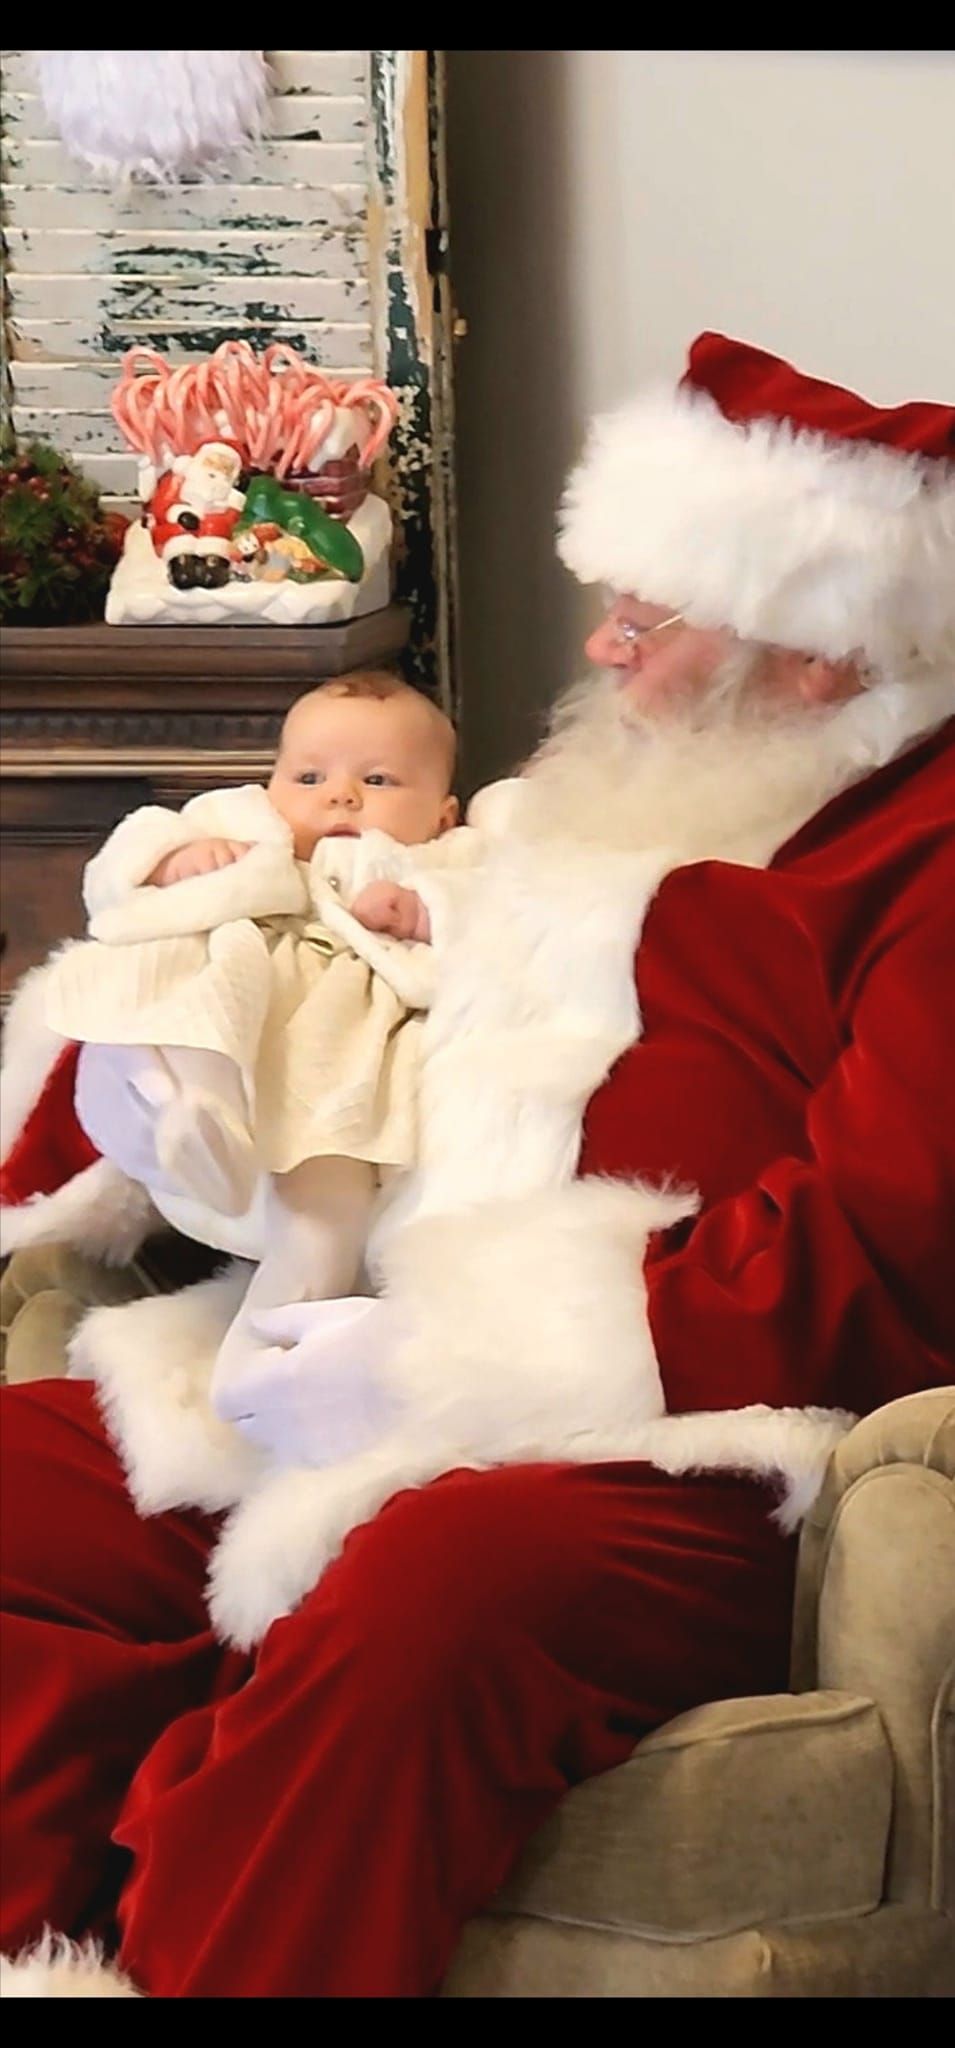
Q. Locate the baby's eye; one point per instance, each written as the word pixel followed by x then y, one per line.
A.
pixel 309 777
pixel 381 781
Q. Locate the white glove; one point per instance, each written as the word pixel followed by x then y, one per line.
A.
pixel 306 1381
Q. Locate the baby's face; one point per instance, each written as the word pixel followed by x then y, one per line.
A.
pixel 349 765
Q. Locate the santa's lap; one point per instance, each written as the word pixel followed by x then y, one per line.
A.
pixel 484 1644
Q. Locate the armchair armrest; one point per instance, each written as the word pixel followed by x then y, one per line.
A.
pixel 875 1615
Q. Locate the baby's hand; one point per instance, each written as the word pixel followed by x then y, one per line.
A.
pixel 386 907
pixel 203 857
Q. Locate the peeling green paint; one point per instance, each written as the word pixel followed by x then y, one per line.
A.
pixel 407 372
pixel 200 340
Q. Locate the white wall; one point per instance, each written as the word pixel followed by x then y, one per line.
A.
pixel 606 205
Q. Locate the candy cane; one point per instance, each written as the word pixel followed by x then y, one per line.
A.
pixel 281 407
pixel 270 442
pixel 172 407
pixel 281 360
pixel 260 433
pixel 131 402
pixel 312 430
pixel 237 369
pixel 127 410
pixel 371 392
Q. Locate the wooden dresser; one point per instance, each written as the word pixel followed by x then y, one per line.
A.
pixel 97 719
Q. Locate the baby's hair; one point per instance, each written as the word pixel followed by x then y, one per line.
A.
pixel 380 684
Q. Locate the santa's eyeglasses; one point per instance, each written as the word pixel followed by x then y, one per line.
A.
pixel 628 629
pixel 631 631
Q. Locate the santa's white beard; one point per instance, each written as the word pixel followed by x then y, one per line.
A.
pixel 206 494
pixel 726 777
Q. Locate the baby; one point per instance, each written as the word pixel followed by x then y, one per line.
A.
pixel 251 997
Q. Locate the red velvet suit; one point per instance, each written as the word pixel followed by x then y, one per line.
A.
pixel 324 1820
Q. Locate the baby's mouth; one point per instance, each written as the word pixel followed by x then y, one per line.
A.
pixel 342 832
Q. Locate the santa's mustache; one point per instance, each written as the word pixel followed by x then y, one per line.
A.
pixel 717 775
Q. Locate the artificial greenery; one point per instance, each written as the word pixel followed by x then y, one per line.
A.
pixel 58 547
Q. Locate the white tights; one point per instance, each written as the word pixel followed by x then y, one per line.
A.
pixel 178 1122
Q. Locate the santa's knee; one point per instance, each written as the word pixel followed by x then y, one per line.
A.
pixel 440 1586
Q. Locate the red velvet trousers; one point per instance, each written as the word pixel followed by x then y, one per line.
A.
pixel 321 1820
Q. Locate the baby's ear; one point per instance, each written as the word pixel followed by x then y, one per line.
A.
pixel 450 814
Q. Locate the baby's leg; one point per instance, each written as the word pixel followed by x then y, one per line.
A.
pixel 203 1127
pixel 175 1120
pixel 115 1103
pixel 317 1225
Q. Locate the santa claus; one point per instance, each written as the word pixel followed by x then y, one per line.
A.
pixel 683 1208
pixel 191 512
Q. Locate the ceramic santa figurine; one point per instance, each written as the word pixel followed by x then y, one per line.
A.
pixel 191 512
pixel 207 428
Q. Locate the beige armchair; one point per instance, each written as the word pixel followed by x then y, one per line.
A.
pixel 795 1846
pixel 801 1845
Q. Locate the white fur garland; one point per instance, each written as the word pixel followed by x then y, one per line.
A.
pixel 154 114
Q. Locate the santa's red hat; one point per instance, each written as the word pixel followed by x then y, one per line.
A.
pixel 792 511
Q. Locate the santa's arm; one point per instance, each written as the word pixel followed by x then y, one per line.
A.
pixel 829 1281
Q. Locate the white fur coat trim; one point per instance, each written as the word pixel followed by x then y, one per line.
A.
pixel 100 1212
pixel 277 1543
pixel 536 1002
pixel 797 540
pixel 527 1319
pixel 145 836
pixel 151 1361
pixel 58 1968
pixel 266 882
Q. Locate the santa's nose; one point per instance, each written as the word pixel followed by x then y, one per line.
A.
pixel 605 646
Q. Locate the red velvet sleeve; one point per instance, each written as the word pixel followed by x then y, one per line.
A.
pixel 831 1281
pixel 51 1147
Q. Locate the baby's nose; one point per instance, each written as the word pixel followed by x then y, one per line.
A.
pixel 344 796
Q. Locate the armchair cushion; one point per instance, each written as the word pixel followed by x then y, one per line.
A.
pixel 744 1813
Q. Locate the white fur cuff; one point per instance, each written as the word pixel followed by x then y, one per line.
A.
pixel 58 1968
pixel 529 1318
pixel 144 838
pixel 99 1212
pixel 152 1363
pixel 265 882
